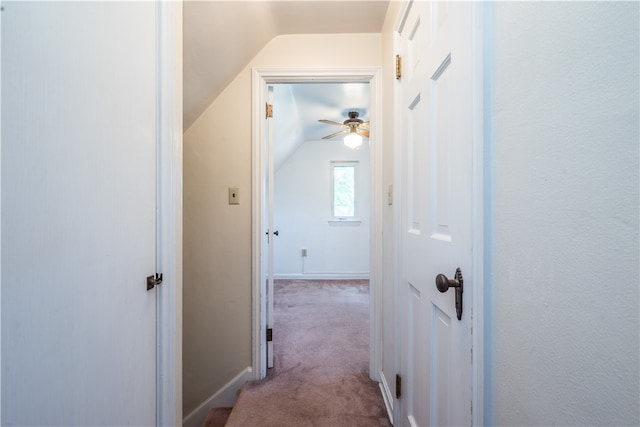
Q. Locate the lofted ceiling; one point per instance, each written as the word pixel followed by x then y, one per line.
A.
pixel 221 37
pixel 299 106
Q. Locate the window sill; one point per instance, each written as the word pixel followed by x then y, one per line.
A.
pixel 346 222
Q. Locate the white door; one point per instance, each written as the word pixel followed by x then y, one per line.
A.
pixel 270 230
pixel 267 235
pixel 78 213
pixel 436 103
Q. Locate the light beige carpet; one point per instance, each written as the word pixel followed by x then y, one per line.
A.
pixel 320 375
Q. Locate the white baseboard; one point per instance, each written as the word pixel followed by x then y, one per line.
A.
pixel 223 398
pixel 386 396
pixel 354 275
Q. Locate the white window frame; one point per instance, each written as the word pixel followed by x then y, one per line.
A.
pixel 344 219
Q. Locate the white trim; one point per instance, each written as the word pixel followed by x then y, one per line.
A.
pixel 377 204
pixel 224 398
pixel 258 353
pixel 260 78
pixel 353 222
pixel 397 213
pixel 352 275
pixel 401 20
pixel 316 75
pixel 482 27
pixel 169 214
pixel 0 228
pixel 386 396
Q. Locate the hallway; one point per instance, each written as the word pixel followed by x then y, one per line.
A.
pixel 320 374
pixel 114 175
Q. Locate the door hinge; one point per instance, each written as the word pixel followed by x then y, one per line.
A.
pixel 153 281
pixel 269 111
pixel 398 386
pixel 269 334
pixel 398 67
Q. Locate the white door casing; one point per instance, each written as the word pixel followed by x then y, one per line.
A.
pixel 261 78
pixel 436 213
pixel 169 208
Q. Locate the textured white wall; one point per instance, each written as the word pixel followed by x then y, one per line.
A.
pixel 217 236
pixel 565 172
pixel 302 210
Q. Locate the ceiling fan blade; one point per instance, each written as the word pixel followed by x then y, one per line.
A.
pixel 363 132
pixel 340 132
pixel 364 125
pixel 331 122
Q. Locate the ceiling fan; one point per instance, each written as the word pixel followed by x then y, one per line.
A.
pixel 354 127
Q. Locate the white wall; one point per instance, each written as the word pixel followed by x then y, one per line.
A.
pixel 302 210
pixel 564 160
pixel 217 237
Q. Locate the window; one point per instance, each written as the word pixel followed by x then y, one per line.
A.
pixel 344 190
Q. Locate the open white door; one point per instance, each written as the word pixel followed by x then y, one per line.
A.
pixel 267 241
pixel 436 213
pixel 78 213
pixel 271 233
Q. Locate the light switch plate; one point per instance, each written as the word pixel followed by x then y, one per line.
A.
pixel 234 196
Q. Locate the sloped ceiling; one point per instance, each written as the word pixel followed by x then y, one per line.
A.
pixel 221 37
pixel 298 107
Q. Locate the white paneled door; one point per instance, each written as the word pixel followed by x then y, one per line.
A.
pixel 78 213
pixel 436 217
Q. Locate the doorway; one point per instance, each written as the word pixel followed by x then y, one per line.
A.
pixel 319 204
pixel 264 231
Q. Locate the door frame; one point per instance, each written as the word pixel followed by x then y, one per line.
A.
pixel 481 239
pixel 169 213
pixel 260 78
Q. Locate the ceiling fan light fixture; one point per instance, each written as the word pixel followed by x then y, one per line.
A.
pixel 354 127
pixel 353 140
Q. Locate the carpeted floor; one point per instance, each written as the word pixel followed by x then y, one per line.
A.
pixel 320 375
